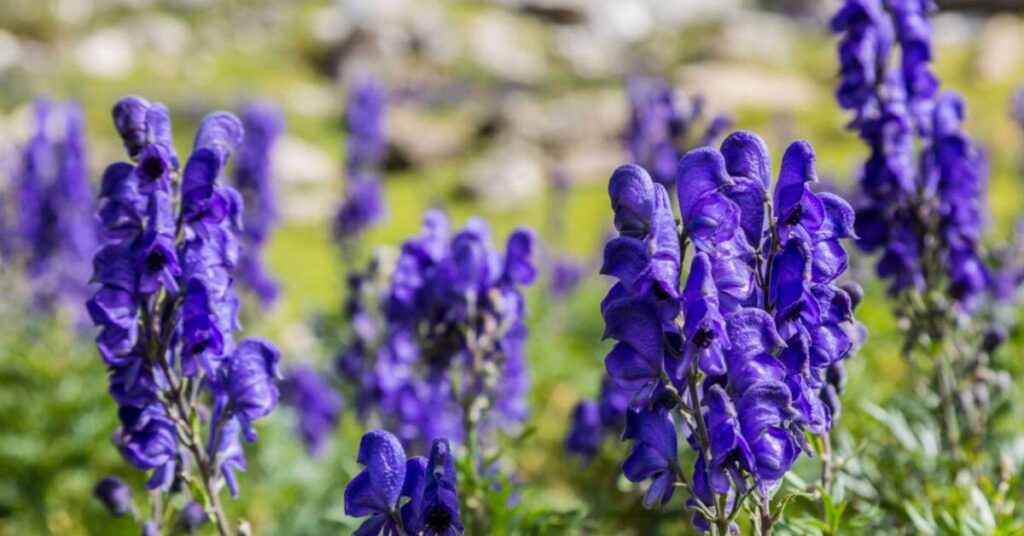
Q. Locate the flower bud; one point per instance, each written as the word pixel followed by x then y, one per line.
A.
pixel 115 495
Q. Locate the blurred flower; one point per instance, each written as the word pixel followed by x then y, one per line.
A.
pixel 315 401
pixel 57 233
pixel 661 121
pixel 115 495
pixel 367 142
pixel 263 124
pixel 191 518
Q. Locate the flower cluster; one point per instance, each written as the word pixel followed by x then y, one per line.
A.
pixel 741 352
pixel 166 309
pixel 56 230
pixel 317 405
pixel 442 344
pixel 924 177
pixel 263 123
pixel 660 125
pixel 402 495
pixel 367 146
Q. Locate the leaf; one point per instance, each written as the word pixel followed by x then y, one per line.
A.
pixel 983 509
pixel 923 525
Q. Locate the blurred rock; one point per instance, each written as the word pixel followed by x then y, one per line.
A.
pixel 10 50
pixel 420 138
pixel 507 46
pixel 314 100
pixel 509 175
pixel 589 55
pixel 731 85
pixel 743 37
pixel 298 162
pixel 576 119
pixel 106 54
pixel 999 48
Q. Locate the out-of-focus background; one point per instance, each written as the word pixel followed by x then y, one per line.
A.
pixel 487 101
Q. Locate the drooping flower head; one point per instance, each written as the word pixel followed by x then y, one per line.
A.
pixel 165 305
pixel 415 493
pixel 747 342
pixel 453 305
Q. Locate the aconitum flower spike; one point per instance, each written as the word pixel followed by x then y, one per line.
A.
pixel 317 404
pixel 115 495
pixel 747 343
pixel 168 260
pixel 263 124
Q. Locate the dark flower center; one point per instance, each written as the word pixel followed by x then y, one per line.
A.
pixel 155 262
pixel 794 217
pixel 153 168
pixel 794 312
pixel 703 337
pixel 438 518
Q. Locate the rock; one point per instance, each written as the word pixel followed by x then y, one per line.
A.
pixel 421 138
pixel 309 180
pixel 743 38
pixel 509 175
pixel 577 119
pixel 108 53
pixel 730 86
pixel 999 48
pixel 507 46
pixel 10 50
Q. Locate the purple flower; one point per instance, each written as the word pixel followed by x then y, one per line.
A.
pixel 248 383
pixel 432 506
pixel 439 507
pixel 316 402
pixel 367 142
pixel 747 343
pixel 585 434
pixel 661 121
pixel 57 233
pixel 654 455
pixel 115 495
pixel 166 308
pixel 453 308
pixel 263 123
pixel 191 518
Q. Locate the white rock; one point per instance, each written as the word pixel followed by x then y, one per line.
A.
pixel 106 54
pixel 300 163
pixel 509 175
pixel 731 85
pixel 999 48
pixel 508 47
pixel 10 50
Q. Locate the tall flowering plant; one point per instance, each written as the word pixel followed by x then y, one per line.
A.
pixel 363 205
pixel 739 357
pixel 263 124
pixel 56 232
pixel 662 126
pixel 187 392
pixel 921 203
pixel 438 346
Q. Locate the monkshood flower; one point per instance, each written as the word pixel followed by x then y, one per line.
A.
pixel 57 232
pixel 367 144
pixel 167 312
pixel 317 405
pixel 662 126
pixel 400 495
pixel 263 124
pixel 115 495
pixel 595 421
pixel 452 308
pixel 924 176
pixel 742 355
